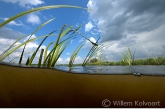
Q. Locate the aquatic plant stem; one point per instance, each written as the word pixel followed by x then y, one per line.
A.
pixel 32 34
pixel 40 59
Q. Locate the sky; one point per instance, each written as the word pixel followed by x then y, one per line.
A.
pixel 137 24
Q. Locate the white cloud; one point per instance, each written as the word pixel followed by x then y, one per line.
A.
pixel 144 48
pixel 68 53
pixel 6 42
pixel 77 24
pixel 94 33
pixel 88 26
pixel 24 3
pixel 19 23
pixel 128 25
pixel 30 48
pixel 71 41
pixel 33 36
pixel 9 33
pixel 60 60
pixel 88 44
pixel 67 59
pixel 92 39
pixel 81 40
pixel 92 6
pixel 33 18
pixel 115 17
pixel 78 60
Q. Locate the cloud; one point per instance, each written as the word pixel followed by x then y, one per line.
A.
pixel 78 60
pixel 88 26
pixel 24 3
pixel 81 40
pixel 4 40
pixel 33 36
pixel 68 53
pixel 146 45
pixel 136 24
pixel 8 36
pixel 9 33
pixel 60 60
pixel 88 44
pixel 30 48
pixel 116 17
pixel 71 41
pixel 19 23
pixel 33 18
pixel 94 33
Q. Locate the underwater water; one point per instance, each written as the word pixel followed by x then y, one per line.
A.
pixel 136 70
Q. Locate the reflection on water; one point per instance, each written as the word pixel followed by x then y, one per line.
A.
pixel 136 70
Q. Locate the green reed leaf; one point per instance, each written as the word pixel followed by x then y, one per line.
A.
pixel 74 54
pixel 38 9
pixel 32 34
pixel 34 54
pixel 12 45
pixel 40 59
pixel 45 54
pixel 18 46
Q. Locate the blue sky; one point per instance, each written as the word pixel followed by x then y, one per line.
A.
pixel 27 24
pixel 136 24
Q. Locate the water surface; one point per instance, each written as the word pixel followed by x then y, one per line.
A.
pixel 136 70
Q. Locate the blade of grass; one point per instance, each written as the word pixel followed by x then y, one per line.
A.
pixel 84 36
pixel 27 61
pixel 19 56
pixel 12 45
pixel 74 54
pixel 18 46
pixel 38 9
pixel 40 59
pixel 34 54
pixel 99 59
pixel 85 61
pixel 63 48
pixel 45 54
pixel 62 33
pixel 128 57
pixel 56 51
pixel 32 34
pixel 95 50
pixel 56 43
pixel 133 57
pixel 51 52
